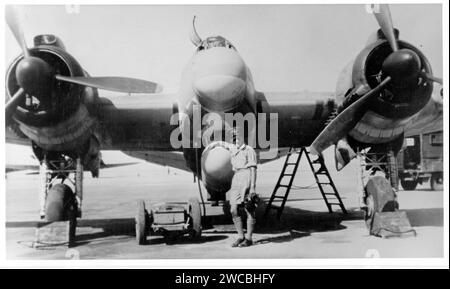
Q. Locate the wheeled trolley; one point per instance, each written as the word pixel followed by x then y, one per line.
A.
pixel 170 219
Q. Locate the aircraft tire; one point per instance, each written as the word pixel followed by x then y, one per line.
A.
pixel 196 215
pixel 60 204
pixel 409 185
pixel 369 211
pixel 380 197
pixel 436 182
pixel 141 223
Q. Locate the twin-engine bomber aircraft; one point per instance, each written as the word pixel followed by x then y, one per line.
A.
pixel 53 103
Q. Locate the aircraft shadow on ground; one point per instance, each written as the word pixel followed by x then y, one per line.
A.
pixel 426 217
pixel 184 239
pixel 126 226
pixel 118 227
pixel 294 223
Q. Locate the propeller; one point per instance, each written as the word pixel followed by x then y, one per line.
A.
pixel 120 84
pixel 14 102
pixel 36 77
pixel 13 21
pixel 401 67
pixel 432 78
pixel 345 121
pixel 383 16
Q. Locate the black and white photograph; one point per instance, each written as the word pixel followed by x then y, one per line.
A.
pixel 235 133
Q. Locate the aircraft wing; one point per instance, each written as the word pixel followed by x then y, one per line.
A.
pixel 176 159
pixel 14 168
pixel 35 168
pixel 137 122
pixel 163 158
pixel 301 116
pixel 139 126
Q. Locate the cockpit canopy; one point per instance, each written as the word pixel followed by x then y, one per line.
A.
pixel 215 41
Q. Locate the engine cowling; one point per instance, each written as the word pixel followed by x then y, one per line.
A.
pixel 392 110
pixel 58 118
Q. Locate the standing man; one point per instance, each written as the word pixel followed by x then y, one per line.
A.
pixel 242 193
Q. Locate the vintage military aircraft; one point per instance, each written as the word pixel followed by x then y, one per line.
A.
pixel 54 104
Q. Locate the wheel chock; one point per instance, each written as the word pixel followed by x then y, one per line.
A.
pixel 391 224
pixel 55 234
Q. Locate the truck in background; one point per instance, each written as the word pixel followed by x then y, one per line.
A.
pixel 421 159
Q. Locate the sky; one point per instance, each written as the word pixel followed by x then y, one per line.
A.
pixel 287 47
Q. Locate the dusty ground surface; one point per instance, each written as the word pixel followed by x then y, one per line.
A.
pixel 306 229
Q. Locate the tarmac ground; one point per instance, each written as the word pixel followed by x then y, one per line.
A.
pixel 306 229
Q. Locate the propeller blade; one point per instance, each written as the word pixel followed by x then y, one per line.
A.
pixel 14 23
pixel 120 84
pixel 383 16
pixel 344 122
pixel 13 102
pixel 432 78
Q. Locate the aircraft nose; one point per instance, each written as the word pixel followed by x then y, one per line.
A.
pixel 219 78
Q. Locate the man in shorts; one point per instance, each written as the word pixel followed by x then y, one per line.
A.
pixel 242 191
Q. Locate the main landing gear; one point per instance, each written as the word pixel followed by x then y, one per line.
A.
pixel 169 219
pixel 378 184
pixel 374 192
pixel 60 193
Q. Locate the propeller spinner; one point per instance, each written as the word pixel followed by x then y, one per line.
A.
pixel 401 64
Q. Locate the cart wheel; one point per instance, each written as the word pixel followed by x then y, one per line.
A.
pixel 141 223
pixel 380 198
pixel 60 204
pixel 436 182
pixel 196 216
pixel 169 238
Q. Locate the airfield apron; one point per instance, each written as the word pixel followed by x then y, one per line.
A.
pixel 242 159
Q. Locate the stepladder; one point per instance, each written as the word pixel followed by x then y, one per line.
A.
pixel 285 181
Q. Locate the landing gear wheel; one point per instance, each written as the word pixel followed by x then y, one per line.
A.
pixel 436 182
pixel 380 197
pixel 369 211
pixel 409 185
pixel 196 219
pixel 60 204
pixel 142 223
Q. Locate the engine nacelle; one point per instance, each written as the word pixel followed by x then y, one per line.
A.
pixel 69 134
pixel 60 120
pixel 394 108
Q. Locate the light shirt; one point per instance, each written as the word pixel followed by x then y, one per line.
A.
pixel 242 157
